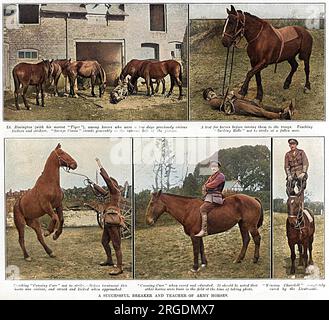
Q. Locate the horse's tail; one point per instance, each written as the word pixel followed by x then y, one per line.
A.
pixel 16 80
pixel 101 74
pixel 261 218
pixel 306 44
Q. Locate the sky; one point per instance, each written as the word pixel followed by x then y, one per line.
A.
pixel 187 150
pixel 25 160
pixel 314 149
pixel 266 11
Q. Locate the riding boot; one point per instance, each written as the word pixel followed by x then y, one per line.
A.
pixel 204 226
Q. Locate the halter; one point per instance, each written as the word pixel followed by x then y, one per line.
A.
pixel 67 167
pixel 237 32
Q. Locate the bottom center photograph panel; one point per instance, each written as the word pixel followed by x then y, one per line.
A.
pixel 202 208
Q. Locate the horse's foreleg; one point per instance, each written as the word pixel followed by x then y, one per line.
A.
pixel 307 73
pixel 172 83
pixel 245 241
pixel 294 65
pixel 24 97
pixel 292 257
pixel 37 91
pixel 35 225
pixel 163 86
pixel 259 95
pixel 196 252
pixel 42 96
pixel 157 87
pixel 148 81
pixel 305 255
pixel 93 81
pixel 257 68
pixel 257 238
pixel 202 253
pixel 59 231
pixel 54 223
pixel 300 250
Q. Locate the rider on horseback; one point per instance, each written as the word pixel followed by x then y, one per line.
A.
pixel 296 166
pixel 212 190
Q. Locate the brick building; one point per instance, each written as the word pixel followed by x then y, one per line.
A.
pixel 112 34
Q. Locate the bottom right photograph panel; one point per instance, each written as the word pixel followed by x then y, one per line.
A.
pixel 298 207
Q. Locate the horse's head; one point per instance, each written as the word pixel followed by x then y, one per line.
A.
pixel 234 27
pixel 65 160
pixel 294 205
pixel 155 208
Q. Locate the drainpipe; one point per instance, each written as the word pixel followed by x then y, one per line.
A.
pixel 66 36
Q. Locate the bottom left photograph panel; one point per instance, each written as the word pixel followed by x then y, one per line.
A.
pixel 68 208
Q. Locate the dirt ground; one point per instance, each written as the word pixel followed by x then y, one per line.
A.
pixel 135 107
pixel 78 254
pixel 165 252
pixel 207 63
pixel 281 251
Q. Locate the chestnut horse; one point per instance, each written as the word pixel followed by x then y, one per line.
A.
pixel 300 231
pixel 133 69
pixel 267 45
pixel 26 74
pixel 239 208
pixel 43 198
pixel 60 68
pixel 87 69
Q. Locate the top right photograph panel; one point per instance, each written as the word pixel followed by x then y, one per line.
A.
pixel 257 62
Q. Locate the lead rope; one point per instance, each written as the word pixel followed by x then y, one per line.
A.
pixel 225 92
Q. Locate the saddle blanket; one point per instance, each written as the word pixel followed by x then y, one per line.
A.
pixel 308 215
pixel 286 34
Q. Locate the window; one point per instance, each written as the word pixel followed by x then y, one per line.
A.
pixel 28 13
pixel 157 17
pixel 150 51
pixel 27 54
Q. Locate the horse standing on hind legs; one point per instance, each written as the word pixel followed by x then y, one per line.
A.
pixel 43 198
pixel 266 46
pixel 239 208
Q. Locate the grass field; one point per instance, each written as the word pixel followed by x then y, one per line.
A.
pixel 78 254
pixel 165 252
pixel 281 251
pixel 207 63
pixel 135 107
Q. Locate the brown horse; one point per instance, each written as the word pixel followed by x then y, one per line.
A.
pixel 300 231
pixel 60 68
pixel 238 208
pixel 159 70
pixel 133 69
pixel 26 74
pixel 267 45
pixel 43 198
pixel 87 69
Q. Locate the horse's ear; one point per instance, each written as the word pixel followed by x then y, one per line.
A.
pixel 70 59
pixel 58 146
pixel 159 193
pixel 233 11
pixel 52 60
pixel 228 11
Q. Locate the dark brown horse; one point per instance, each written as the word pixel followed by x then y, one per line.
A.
pixel 300 231
pixel 267 45
pixel 43 198
pixel 238 208
pixel 87 69
pixel 26 74
pixel 60 68
pixel 133 69
pixel 159 70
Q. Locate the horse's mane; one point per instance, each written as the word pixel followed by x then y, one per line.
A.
pixel 252 16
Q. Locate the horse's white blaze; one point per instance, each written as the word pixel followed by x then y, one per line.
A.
pixel 225 25
pixel 292 201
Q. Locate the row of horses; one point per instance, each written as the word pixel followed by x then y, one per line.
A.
pixel 26 74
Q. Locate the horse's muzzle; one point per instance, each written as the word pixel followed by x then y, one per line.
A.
pixel 226 42
pixel 150 221
pixel 73 165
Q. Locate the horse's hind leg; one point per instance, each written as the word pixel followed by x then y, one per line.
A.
pixel 204 261
pixel 245 241
pixel 93 81
pixel 294 65
pixel 59 231
pixel 24 97
pixel 163 86
pixel 42 95
pixel 307 73
pixel 259 96
pixel 37 91
pixel 172 83
pixel 20 225
pixel 54 223
pixel 35 225
pixel 257 238
pixel 292 256
pixel 196 252
pixel 305 255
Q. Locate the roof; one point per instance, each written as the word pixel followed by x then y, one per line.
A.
pixel 232 184
pixel 64 8
pixel 101 9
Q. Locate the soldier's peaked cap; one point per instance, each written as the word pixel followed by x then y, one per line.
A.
pixel 293 141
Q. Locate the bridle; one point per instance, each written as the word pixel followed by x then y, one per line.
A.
pixel 300 222
pixel 238 32
pixel 67 167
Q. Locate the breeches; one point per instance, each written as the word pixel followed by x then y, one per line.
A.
pixel 112 233
pixel 206 207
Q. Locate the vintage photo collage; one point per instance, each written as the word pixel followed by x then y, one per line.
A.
pixel 171 207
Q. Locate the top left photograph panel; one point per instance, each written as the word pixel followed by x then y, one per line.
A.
pixel 95 62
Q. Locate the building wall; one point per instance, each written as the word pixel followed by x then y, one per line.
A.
pixel 49 36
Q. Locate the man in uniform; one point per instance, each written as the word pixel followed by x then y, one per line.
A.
pixel 111 232
pixel 234 105
pixel 212 189
pixel 295 166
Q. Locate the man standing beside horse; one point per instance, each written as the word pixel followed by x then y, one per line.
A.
pixel 212 191
pixel 112 220
pixel 296 166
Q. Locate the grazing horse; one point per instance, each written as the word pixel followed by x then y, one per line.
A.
pixel 43 198
pixel 60 68
pixel 132 69
pixel 239 208
pixel 300 229
pixel 158 70
pixel 267 45
pixel 87 69
pixel 26 74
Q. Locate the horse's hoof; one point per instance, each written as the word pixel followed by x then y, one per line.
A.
pixel 46 233
pixel 180 98
pixel 307 90
pixel 237 261
pixel 286 85
pixel 75 96
pixel 204 265
pixel 194 271
pixel 255 260
pixel 28 259
pixel 65 95
pixel 52 255
pixel 55 236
